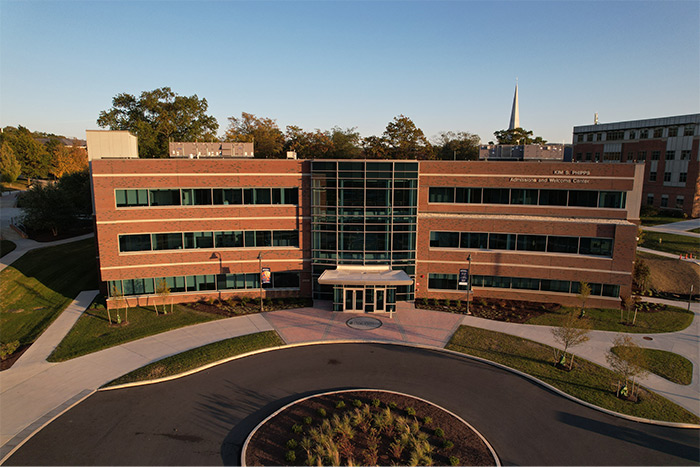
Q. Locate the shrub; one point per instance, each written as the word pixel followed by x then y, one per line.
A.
pixel 447 444
pixel 427 421
pixel 448 303
pixel 340 405
pixel 307 420
pixel 454 460
pixel 8 349
pixel 376 402
pixel 297 428
pixel 268 302
pixel 459 304
pixel 357 403
pixel 322 412
pixel 245 300
pixel 439 432
pixel 291 456
pixel 411 411
pixel 434 302
pixel 292 443
pixel 392 405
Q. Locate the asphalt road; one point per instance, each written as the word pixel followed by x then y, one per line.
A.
pixel 203 419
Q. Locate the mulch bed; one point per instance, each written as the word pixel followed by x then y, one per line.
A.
pixel 235 307
pixel 268 446
pixel 512 311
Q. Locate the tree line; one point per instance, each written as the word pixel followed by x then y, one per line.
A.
pixel 160 116
pixel 22 152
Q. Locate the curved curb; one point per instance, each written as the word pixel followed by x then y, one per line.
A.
pixel 419 346
pixel 250 436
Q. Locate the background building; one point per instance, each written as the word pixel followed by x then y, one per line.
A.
pixel 668 146
pixel 364 234
pixel 525 152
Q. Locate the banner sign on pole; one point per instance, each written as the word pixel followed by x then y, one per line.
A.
pixel 463 277
pixel 265 275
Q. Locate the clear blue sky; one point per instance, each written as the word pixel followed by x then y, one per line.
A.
pixel 449 66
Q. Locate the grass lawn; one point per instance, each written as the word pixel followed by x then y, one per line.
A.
pixel 671 243
pixel 669 365
pixel 650 221
pixel 201 356
pixel 39 285
pixel 669 274
pixel 588 381
pixel 605 319
pixel 697 231
pixel 6 246
pixel 92 332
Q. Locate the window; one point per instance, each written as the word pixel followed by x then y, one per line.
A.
pixel 650 199
pixel 202 282
pixel 562 244
pixel 670 155
pixel 642 155
pixel 138 242
pixel 285 238
pixel 579 138
pixel 683 177
pixel 165 197
pixel 655 155
pixel 612 199
pixel 138 286
pixel 196 196
pixel 555 286
pixel 673 132
pixel 131 198
pixel 523 196
pixel 658 132
pixel 229 239
pixel 632 135
pixel 614 135
pixel 553 197
pixel 588 156
pixel 589 137
pixel 442 281
pixel 496 196
pixel 499 241
pixel 652 176
pixel 685 155
pixel 444 239
pixel 468 195
pixel 579 156
pixel 596 246
pixel 441 195
pixel 167 241
pixel 175 284
pixel 643 134
pixel 667 176
pixel 474 240
pixel 664 201
pixel 597 157
pixel 689 130
pixel 228 196
pixel 612 156
pixel 199 239
pixel 532 242
pixel 679 202
pixel 584 198
pixel 285 280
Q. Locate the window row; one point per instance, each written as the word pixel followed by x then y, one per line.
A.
pixel 688 130
pixel 363 197
pixel 523 242
pixel 364 241
pixel 205 196
pixel 223 239
pixel 529 196
pixel 449 282
pixel 149 286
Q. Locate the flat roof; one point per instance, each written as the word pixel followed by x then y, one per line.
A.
pixel 364 275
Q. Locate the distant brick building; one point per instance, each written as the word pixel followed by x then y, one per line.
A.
pixel 668 146
pixel 364 234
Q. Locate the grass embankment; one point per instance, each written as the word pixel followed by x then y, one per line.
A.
pixel 201 356
pixel 668 365
pixel 40 284
pixel 650 221
pixel 6 246
pixel 588 381
pixel 669 274
pixel 93 332
pixel 671 243
pixel 605 319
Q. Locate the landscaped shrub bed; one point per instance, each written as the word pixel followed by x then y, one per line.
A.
pixel 244 305
pixel 512 311
pixel 366 428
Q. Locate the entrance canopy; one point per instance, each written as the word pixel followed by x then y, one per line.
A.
pixel 364 275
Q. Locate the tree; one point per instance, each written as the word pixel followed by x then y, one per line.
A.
pixel 406 141
pixel 570 333
pixel 517 136
pixel 263 132
pixel 10 167
pixel 629 303
pixel 641 275
pixel 460 146
pixel 584 291
pixel 158 117
pixel 68 159
pixel 346 143
pixel 374 147
pixel 627 360
pixel 163 292
pixel 31 154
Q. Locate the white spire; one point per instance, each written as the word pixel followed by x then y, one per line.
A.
pixel 515 112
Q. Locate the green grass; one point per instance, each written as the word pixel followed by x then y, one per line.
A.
pixel 650 221
pixel 671 243
pixel 201 356
pixel 588 382
pixel 6 246
pixel 92 331
pixel 40 284
pixel 697 231
pixel 605 319
pixel 668 365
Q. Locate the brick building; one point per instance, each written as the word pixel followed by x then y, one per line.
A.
pixel 364 234
pixel 669 146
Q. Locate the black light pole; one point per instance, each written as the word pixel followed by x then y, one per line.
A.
pixel 469 280
pixel 260 279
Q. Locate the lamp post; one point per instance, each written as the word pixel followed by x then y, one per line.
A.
pixel 260 280
pixel 215 255
pixel 469 280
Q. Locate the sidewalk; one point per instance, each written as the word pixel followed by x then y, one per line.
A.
pixel 34 391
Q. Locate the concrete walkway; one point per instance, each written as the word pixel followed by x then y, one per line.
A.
pixel 677 227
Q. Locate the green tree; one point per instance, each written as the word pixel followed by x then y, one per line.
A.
pixel 517 136
pixel 346 143
pixel 32 155
pixel 10 167
pixel 459 146
pixel 263 132
pixel 158 117
pixel 404 140
pixel 374 147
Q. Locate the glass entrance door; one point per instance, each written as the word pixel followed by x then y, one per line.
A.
pixel 354 300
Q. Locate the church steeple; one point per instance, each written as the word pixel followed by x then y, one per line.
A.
pixel 515 112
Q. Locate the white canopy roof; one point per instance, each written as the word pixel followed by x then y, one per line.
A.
pixel 364 275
